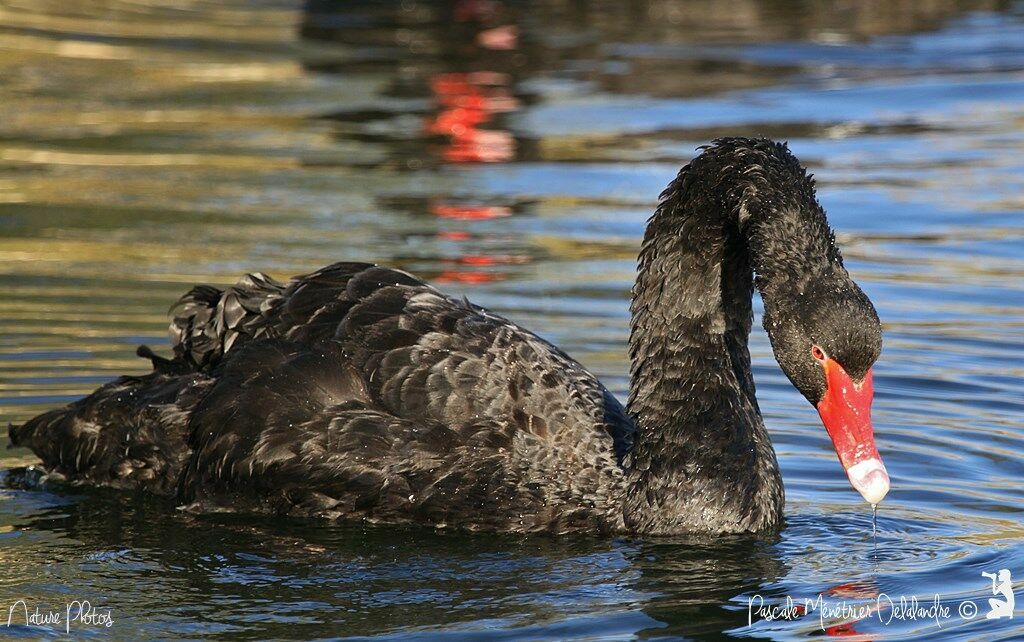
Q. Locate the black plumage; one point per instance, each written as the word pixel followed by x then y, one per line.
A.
pixel 359 391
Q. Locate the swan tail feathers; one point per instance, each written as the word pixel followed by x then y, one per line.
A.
pixel 130 433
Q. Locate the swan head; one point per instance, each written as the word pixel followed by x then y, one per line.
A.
pixel 824 330
pixel 826 336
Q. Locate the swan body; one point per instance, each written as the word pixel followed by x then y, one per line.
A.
pixel 361 392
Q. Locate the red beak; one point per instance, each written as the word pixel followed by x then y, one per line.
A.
pixel 846 412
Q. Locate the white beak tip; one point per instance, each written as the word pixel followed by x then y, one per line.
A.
pixel 870 479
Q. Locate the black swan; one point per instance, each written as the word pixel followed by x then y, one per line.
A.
pixel 359 391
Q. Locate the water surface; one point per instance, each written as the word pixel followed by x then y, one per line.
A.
pixel 511 152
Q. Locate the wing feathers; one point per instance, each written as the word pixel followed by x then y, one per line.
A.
pixel 355 390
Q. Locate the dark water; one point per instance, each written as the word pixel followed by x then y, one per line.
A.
pixel 512 152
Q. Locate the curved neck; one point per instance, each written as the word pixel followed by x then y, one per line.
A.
pixel 702 458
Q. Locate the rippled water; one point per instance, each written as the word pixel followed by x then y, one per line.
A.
pixel 512 152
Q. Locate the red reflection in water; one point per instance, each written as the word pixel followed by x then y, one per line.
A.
pixel 469 212
pixel 462 275
pixel 499 38
pixel 855 590
pixel 457 235
pixel 482 260
pixel 472 213
pixel 456 276
pixel 469 101
pixel 468 104
pixel 844 630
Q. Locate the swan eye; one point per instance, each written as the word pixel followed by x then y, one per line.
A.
pixel 818 354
